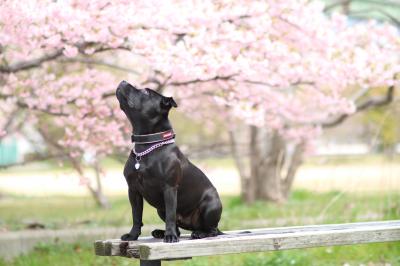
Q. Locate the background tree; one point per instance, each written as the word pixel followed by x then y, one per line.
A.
pixel 389 134
pixel 282 67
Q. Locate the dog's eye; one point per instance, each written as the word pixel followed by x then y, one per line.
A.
pixel 145 91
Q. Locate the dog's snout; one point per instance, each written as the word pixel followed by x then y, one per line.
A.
pixel 118 91
pixel 121 87
pixel 122 84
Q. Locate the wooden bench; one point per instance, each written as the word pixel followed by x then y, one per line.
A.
pixel 151 251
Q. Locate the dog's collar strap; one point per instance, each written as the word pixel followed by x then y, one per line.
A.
pixel 138 155
pixel 153 138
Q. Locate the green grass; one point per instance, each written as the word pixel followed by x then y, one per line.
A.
pixel 67 212
pixel 303 207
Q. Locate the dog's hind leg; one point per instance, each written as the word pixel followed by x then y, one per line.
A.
pixel 210 214
pixel 158 233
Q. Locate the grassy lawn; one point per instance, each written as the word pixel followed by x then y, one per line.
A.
pixel 302 208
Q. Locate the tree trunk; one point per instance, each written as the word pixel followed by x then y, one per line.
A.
pixel 272 165
pixel 295 161
pixel 97 191
pixel 101 199
pixel 269 181
pixel 239 156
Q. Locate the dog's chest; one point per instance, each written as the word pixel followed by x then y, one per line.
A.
pixel 147 182
pixel 143 179
pixel 151 189
pixel 137 171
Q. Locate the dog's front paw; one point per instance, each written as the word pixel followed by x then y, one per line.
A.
pixel 171 238
pixel 130 237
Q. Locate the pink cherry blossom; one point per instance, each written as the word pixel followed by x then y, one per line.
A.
pixel 281 64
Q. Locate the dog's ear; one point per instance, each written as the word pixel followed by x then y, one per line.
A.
pixel 168 102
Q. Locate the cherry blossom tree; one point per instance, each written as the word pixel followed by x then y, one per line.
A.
pixel 284 68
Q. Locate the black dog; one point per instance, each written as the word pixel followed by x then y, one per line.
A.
pixel 164 177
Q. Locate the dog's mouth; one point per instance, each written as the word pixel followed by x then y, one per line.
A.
pixel 126 100
pixel 128 96
pixel 120 95
pixel 122 98
pixel 121 91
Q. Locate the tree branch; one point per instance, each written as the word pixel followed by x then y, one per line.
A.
pixel 380 3
pixel 25 106
pixel 99 63
pixel 240 163
pixel 24 65
pixel 4 96
pixel 9 124
pixel 338 3
pixel 256 82
pixel 295 161
pixel 380 11
pixel 373 102
pixel 160 85
pixel 28 64
pixel 185 83
pixel 377 2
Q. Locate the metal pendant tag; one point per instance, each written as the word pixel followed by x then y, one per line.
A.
pixel 137 164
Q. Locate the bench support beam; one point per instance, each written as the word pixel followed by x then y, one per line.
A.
pixel 150 262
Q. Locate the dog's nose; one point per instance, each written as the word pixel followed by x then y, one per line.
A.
pixel 122 84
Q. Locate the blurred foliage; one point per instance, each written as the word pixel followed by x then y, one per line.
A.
pixel 383 123
pixel 384 117
pixel 362 9
pixel 200 137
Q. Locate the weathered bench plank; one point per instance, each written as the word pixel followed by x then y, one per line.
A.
pixel 257 240
pixel 117 247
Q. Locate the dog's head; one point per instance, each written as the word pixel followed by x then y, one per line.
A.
pixel 144 108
